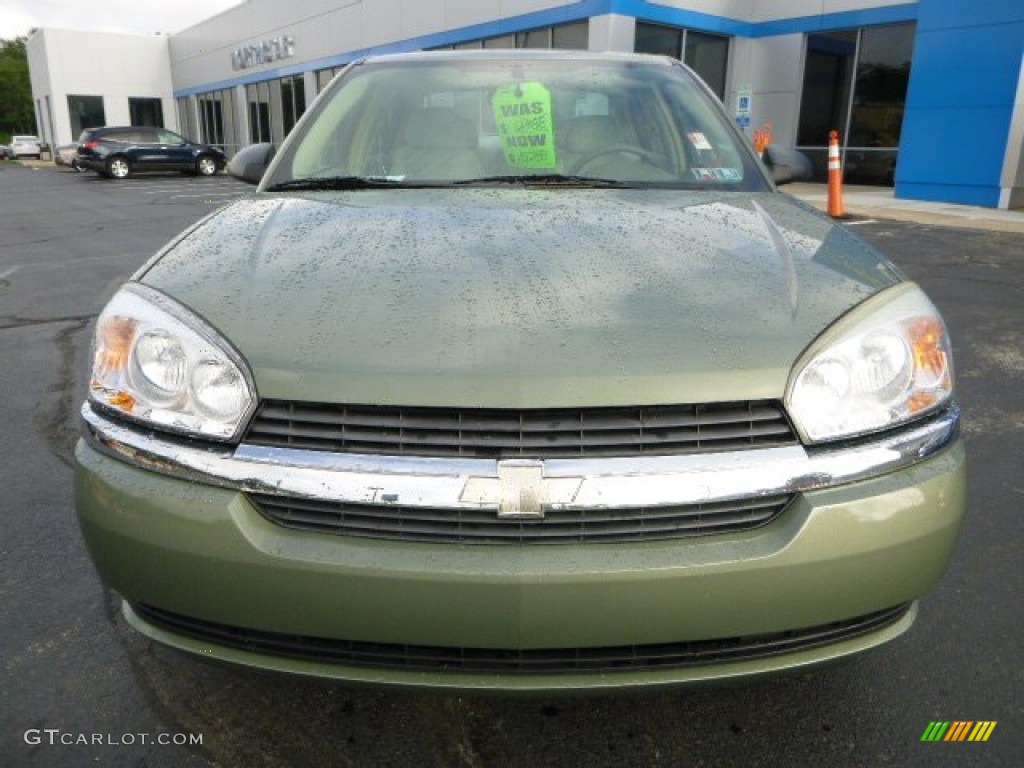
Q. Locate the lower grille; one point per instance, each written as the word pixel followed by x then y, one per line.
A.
pixel 555 661
pixel 477 526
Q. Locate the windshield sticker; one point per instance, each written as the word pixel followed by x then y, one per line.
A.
pixel 699 140
pixel 716 174
pixel 525 124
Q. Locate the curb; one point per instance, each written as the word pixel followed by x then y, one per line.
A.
pixel 872 203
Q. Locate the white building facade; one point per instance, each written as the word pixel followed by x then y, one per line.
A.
pixel 896 79
pixel 84 79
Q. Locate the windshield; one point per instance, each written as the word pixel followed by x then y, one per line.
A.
pixel 551 119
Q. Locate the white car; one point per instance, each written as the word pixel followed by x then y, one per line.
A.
pixel 25 146
pixel 67 155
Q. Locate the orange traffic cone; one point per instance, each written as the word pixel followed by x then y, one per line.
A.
pixel 835 177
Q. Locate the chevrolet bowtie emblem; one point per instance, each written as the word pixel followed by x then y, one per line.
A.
pixel 521 489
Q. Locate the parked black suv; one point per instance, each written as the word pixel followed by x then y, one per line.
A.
pixel 117 152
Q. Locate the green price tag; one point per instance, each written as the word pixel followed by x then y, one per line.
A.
pixel 525 124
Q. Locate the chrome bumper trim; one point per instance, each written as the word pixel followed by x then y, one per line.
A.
pixel 483 483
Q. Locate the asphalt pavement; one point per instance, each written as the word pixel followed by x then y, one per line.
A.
pixel 74 672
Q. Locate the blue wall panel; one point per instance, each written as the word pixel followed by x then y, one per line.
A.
pixel 959 146
pixel 967 60
pixel 952 68
pixel 681 17
pixel 960 14
pixel 961 194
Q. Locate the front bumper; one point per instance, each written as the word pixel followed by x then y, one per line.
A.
pixel 172 529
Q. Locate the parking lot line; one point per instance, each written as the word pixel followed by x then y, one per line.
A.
pixel 207 194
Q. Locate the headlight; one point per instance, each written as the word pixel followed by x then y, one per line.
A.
pixel 886 362
pixel 158 363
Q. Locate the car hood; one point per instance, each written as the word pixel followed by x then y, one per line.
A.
pixel 519 297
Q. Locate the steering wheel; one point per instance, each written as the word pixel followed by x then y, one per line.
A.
pixel 628 149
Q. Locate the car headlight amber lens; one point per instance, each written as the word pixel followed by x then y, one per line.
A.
pixel 157 363
pixel 886 362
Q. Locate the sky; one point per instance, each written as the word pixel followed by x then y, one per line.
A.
pixel 17 17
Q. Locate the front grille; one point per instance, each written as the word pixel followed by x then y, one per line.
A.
pixel 554 661
pixel 478 526
pixel 509 433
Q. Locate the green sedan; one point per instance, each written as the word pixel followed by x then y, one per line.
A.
pixel 518 373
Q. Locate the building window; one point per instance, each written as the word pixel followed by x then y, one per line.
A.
pixel 880 88
pixel 659 40
pixel 571 37
pixel 705 54
pixel 85 112
pixel 218 122
pixel 708 56
pixel 574 36
pixel 324 77
pixel 855 82
pixel 51 137
pixel 258 98
pixel 828 73
pixel 186 120
pixel 504 41
pixel 211 116
pixel 146 112
pixel 534 38
pixel 293 101
pixel 274 107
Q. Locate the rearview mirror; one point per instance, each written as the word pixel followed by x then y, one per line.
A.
pixel 787 164
pixel 250 163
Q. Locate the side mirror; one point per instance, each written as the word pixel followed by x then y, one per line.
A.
pixel 786 164
pixel 250 163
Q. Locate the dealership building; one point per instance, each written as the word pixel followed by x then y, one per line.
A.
pixel 927 96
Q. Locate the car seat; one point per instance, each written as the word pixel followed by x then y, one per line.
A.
pixel 437 143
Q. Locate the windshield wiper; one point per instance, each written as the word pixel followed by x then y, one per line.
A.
pixel 547 180
pixel 320 183
pixel 317 183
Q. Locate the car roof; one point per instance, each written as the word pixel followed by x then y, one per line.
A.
pixel 522 54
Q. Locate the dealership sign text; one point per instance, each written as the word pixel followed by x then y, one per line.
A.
pixel 262 53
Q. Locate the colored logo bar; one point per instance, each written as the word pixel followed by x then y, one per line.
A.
pixel 959 730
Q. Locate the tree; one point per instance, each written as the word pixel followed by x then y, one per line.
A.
pixel 16 113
